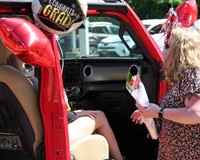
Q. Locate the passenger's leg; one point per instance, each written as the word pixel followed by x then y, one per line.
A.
pixel 86 125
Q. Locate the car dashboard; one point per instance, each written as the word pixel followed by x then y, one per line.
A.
pixel 83 76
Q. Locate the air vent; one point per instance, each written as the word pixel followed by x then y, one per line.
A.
pixel 72 73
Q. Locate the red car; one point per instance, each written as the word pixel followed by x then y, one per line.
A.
pixel 91 82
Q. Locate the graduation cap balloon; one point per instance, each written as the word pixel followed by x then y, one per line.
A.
pixel 59 16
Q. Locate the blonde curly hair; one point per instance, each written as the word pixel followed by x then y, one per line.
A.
pixel 183 53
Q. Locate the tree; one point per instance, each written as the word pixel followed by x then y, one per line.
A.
pixel 147 9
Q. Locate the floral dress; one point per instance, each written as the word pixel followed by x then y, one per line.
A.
pixel 180 141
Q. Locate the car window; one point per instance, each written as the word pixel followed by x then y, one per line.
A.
pixel 114 30
pixel 97 39
pixel 99 29
pixel 147 26
pixel 155 29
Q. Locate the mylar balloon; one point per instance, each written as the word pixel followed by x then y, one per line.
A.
pixel 26 41
pixel 59 16
pixel 187 13
pixel 196 25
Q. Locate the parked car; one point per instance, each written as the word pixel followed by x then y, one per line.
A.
pixel 113 45
pixel 103 28
pixel 155 26
pixel 91 82
pixel 97 32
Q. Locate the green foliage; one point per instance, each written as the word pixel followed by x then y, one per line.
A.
pixel 147 9
pixel 128 78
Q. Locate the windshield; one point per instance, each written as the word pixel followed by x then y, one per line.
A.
pixel 98 37
pixel 147 25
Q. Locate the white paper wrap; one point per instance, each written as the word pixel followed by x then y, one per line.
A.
pixel 140 95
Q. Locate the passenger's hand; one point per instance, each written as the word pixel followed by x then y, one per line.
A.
pixel 150 112
pixel 89 113
pixel 136 117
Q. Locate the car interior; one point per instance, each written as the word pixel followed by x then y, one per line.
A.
pixel 21 134
pixel 95 82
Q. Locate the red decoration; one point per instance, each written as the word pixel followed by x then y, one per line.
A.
pixel 26 41
pixel 134 80
pixel 172 22
pixel 187 13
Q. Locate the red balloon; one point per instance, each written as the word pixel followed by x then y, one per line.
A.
pixel 26 41
pixel 187 13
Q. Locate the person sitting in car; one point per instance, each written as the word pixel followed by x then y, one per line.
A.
pixel 81 123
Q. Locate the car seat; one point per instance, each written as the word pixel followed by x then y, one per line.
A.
pixel 21 131
pixel 92 147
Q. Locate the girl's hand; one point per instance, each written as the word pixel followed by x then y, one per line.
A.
pixel 136 117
